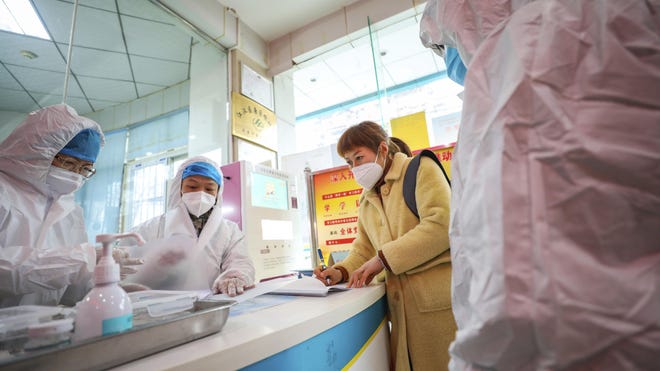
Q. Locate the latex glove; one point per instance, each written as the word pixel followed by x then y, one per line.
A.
pixel 123 258
pixel 231 284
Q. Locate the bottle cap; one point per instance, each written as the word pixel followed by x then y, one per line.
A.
pixel 106 271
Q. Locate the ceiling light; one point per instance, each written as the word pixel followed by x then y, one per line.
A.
pixel 383 53
pixel 313 79
pixel 18 16
pixel 28 54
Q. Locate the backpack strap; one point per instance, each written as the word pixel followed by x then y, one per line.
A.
pixel 410 179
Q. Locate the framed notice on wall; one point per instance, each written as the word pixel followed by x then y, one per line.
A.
pixel 253 122
pixel 256 87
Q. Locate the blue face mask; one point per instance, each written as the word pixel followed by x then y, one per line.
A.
pixel 455 68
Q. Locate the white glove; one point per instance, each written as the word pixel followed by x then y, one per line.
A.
pixel 232 284
pixel 123 258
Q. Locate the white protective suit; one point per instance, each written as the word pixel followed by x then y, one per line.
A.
pixel 555 210
pixel 43 243
pixel 220 250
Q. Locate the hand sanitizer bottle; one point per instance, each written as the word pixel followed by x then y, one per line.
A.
pixel 107 308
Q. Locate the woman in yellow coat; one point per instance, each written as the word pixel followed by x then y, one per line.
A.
pixel 413 252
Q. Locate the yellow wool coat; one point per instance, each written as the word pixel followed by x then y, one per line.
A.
pixel 417 251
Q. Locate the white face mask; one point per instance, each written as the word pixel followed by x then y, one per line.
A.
pixel 198 203
pixel 368 174
pixel 63 182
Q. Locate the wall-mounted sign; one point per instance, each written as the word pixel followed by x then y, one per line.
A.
pixel 253 122
pixel 412 130
pixel 256 87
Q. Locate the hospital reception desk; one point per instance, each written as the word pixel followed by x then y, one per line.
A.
pixel 344 330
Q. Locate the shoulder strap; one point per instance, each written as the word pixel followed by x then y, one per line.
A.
pixel 410 179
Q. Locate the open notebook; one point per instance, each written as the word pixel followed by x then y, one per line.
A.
pixel 308 286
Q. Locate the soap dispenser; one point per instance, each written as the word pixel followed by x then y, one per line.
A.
pixel 107 308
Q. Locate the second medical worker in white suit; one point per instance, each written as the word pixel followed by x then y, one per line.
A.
pixel 192 246
pixel 43 243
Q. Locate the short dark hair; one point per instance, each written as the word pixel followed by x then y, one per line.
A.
pixel 366 134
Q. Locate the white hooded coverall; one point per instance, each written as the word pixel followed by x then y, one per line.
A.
pixel 555 210
pixel 43 243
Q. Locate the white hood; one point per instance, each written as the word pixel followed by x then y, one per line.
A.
pixel 174 195
pixel 29 150
pixel 555 211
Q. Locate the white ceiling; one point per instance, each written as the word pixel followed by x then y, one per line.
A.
pixel 126 49
pixel 271 19
pixel 123 50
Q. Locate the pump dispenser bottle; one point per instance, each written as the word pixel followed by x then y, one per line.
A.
pixel 107 308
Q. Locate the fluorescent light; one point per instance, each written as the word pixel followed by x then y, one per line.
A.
pixel 18 16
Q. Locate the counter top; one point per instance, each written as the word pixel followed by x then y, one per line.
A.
pixel 251 337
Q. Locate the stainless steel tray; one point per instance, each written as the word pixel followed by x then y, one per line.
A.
pixel 148 337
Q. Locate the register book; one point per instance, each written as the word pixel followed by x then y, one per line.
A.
pixel 308 286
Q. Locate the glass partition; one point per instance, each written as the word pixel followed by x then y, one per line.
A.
pixel 379 76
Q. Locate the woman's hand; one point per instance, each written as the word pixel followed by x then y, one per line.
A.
pixel 363 275
pixel 329 276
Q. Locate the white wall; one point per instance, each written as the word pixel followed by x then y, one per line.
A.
pixel 148 107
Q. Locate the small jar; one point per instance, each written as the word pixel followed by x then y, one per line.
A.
pixel 49 333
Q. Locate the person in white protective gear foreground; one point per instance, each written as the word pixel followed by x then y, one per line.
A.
pixel 192 246
pixel 555 208
pixel 43 243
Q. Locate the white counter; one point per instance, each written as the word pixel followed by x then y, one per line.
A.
pixel 319 324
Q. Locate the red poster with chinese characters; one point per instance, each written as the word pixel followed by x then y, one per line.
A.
pixel 336 198
pixel 444 154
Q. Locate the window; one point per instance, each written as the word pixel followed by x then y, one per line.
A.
pixel 154 151
pixel 435 94
pixel 378 77
pixel 145 190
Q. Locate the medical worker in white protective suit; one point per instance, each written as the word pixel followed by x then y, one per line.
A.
pixel 43 243
pixel 555 220
pixel 192 246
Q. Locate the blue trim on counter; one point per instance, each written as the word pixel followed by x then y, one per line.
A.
pixel 332 349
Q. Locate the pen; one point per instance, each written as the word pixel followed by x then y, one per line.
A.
pixel 280 276
pixel 323 266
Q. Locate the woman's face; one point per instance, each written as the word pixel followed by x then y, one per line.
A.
pixel 197 183
pixel 362 155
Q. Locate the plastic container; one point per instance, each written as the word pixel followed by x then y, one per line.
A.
pixel 160 303
pixel 49 334
pixel 107 308
pixel 16 321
